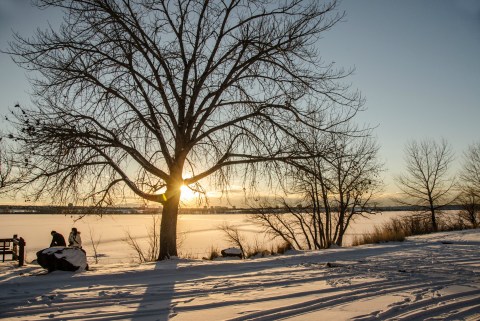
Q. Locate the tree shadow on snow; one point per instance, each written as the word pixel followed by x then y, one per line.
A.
pixel 18 299
pixel 157 300
pixel 131 294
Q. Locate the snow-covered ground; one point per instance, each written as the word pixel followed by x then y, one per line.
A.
pixel 433 277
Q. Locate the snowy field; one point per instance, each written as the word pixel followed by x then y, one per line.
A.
pixel 433 277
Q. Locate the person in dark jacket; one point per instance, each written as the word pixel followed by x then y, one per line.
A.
pixel 57 239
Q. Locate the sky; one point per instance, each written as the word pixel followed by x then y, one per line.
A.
pixel 416 62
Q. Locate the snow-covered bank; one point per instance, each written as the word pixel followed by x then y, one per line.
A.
pixel 432 277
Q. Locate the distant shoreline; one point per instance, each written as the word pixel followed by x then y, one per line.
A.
pixel 86 210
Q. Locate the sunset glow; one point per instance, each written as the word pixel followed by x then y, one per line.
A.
pixel 187 194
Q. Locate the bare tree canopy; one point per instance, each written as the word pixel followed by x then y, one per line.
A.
pixel 150 94
pixel 470 184
pixel 470 172
pixel 427 182
pixel 5 165
pixel 336 187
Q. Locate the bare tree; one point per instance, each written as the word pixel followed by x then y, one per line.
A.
pixel 233 236
pixel 427 182
pixel 95 243
pixel 145 96
pixel 150 253
pixel 470 184
pixel 349 176
pixel 336 189
pixel 5 165
pixel 470 173
pixel 469 201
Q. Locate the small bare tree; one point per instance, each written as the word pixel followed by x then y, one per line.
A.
pixel 234 237
pixel 149 254
pixel 95 243
pixel 469 201
pixel 296 227
pixel 427 183
pixel 470 173
pixel 349 177
pixel 469 197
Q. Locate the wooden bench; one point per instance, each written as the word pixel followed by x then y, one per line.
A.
pixel 15 247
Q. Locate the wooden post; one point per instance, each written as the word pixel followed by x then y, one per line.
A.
pixel 21 254
pixel 15 248
pixel 3 250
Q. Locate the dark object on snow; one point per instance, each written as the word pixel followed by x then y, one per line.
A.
pixel 231 252
pixel 57 239
pixel 334 265
pixel 63 259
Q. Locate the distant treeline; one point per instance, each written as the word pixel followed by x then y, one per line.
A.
pixel 83 210
pixel 414 208
pixel 80 210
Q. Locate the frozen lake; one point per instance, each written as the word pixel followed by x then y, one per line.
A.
pixel 197 233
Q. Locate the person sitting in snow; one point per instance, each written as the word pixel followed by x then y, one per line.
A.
pixel 57 239
pixel 74 240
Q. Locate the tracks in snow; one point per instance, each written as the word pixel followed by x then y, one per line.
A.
pixel 428 282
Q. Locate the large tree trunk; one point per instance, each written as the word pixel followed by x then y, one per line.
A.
pixel 434 220
pixel 168 227
pixel 432 212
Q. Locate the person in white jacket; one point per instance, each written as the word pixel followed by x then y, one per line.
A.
pixel 74 240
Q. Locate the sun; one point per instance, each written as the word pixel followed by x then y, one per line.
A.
pixel 187 193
